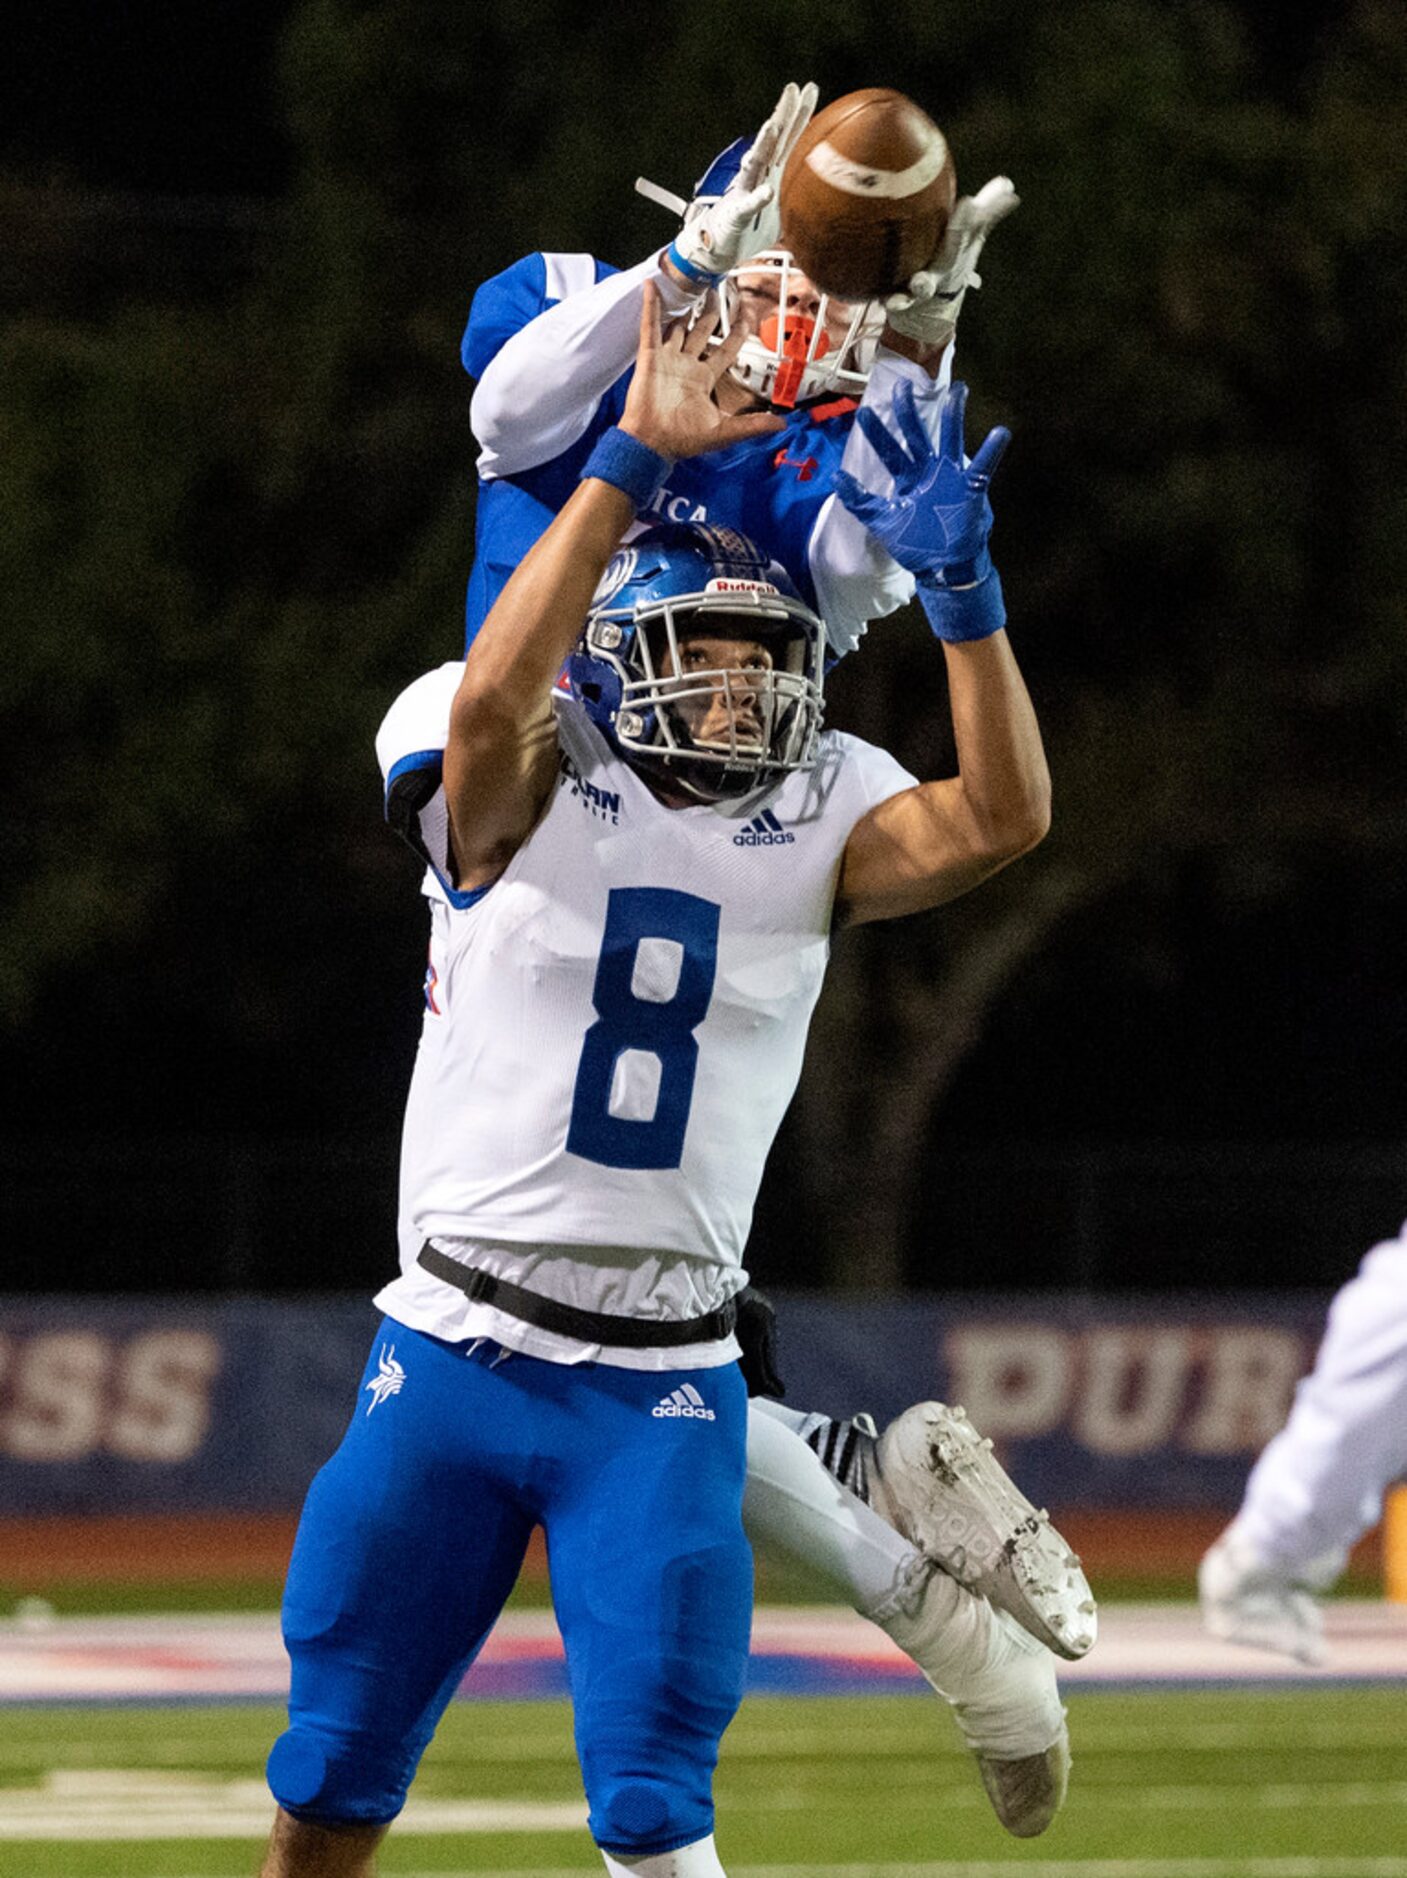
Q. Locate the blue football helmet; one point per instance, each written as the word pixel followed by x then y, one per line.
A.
pixel 803 345
pixel 646 671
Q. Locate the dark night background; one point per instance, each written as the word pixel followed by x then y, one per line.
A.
pixel 239 245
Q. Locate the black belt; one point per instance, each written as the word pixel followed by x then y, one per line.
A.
pixel 630 1333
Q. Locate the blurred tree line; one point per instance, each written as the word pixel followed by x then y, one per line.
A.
pixel 238 519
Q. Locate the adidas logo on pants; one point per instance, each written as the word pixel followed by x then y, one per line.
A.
pixel 685 1401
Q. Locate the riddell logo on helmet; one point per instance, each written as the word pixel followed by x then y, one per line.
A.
pixel 721 583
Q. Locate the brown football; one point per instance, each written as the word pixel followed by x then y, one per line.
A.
pixel 866 194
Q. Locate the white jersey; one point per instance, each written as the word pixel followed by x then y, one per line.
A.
pixel 614 1029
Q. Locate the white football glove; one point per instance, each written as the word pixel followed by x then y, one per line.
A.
pixel 928 311
pixel 721 232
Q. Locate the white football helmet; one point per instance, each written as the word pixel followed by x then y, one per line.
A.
pixel 806 345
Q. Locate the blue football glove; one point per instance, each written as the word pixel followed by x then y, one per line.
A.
pixel 937 521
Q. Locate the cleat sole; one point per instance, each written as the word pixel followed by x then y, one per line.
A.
pixel 939 1482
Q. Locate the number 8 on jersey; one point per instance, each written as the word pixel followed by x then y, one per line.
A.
pixel 628 1021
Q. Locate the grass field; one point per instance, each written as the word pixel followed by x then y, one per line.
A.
pixel 1186 1785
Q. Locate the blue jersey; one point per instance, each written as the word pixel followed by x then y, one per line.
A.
pixel 770 489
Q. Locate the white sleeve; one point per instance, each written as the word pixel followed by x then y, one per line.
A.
pixel 855 580
pixel 874 774
pixel 539 393
pixel 410 747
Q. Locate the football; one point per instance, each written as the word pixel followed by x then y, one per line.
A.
pixel 866 194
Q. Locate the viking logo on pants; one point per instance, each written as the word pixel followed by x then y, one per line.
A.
pixel 390 1380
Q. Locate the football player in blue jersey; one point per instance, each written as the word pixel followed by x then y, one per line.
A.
pixel 622 1000
pixel 551 341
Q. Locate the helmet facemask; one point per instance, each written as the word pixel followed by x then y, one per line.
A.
pixel 788 360
pixel 791 356
pixel 714 731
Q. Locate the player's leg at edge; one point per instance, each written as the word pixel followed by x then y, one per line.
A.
pixel 299 1849
pixel 999 1683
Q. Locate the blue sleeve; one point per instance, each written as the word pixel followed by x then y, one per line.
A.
pixel 504 305
pixel 501 307
pixel 512 511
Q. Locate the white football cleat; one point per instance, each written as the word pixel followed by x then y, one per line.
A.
pixel 1247 1599
pixel 1001 1689
pixel 1027 1794
pixel 937 1481
pixel 1013 1705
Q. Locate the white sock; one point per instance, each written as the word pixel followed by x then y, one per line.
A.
pixel 699 1860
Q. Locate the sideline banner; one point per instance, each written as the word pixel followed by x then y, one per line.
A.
pixel 175 1405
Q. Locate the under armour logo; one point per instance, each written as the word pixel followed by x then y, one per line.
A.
pixel 805 466
pixel 391 1379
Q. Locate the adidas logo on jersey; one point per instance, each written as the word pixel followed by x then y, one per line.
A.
pixel 684 1402
pixel 763 831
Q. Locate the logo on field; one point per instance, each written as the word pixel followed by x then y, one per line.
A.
pixel 390 1381
pixel 684 1403
pixel 604 804
pixel 763 831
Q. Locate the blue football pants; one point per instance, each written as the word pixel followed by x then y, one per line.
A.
pixel 413 1534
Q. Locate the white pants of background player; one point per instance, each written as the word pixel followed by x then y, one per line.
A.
pixel 1319 1485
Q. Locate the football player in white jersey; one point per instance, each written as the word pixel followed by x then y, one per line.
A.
pixel 1319 1485
pixel 551 382
pixel 620 994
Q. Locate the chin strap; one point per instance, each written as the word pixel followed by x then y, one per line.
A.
pixel 654 192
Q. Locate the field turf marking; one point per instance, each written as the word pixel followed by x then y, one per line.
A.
pixel 1005 1868
pixel 1046 1868
pixel 101 1804
pixel 134 1804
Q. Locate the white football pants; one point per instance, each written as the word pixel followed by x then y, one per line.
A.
pixel 791 1501
pixel 1319 1484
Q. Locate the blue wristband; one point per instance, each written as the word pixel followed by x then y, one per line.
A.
pixel 959 614
pixel 691 270
pixel 628 465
